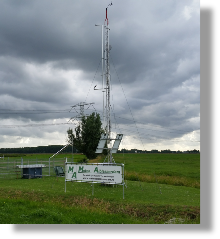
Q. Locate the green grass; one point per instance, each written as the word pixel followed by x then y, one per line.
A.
pixel 185 165
pixel 160 187
pixel 23 211
pixel 143 203
pixel 172 169
pixel 138 192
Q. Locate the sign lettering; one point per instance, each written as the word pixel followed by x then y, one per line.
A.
pixel 70 169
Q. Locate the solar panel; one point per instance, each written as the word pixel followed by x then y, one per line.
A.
pixel 117 143
pixel 101 144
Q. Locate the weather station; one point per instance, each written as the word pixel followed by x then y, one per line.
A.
pixel 107 172
pixel 106 97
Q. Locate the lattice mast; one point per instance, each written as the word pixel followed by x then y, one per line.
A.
pixel 107 87
pixel 106 77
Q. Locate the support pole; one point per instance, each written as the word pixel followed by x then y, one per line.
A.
pixel 21 168
pixel 103 90
pixel 65 174
pixel 123 171
pixel 123 190
pixel 72 149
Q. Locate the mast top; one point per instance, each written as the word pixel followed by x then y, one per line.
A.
pixel 106 18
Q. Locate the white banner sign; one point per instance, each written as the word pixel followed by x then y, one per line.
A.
pixel 101 173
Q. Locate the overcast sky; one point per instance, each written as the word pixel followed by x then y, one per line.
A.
pixel 50 53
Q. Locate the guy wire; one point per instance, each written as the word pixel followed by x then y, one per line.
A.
pixel 128 104
pixel 133 118
pixel 93 79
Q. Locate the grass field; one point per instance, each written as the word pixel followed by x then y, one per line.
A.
pixel 173 169
pixel 161 188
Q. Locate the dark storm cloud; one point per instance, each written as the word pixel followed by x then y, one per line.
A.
pixel 65 30
pixel 24 87
pixel 48 31
pixel 154 59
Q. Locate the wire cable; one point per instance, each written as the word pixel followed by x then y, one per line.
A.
pixel 93 80
pixel 127 102
pixel 32 125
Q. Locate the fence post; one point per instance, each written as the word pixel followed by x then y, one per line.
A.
pixel 21 164
pixel 49 166
pixel 16 169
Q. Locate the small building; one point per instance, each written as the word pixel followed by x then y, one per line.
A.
pixel 32 171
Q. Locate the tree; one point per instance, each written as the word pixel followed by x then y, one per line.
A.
pixel 87 135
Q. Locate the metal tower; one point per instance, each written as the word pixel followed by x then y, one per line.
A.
pixel 81 105
pixel 107 86
pixel 106 77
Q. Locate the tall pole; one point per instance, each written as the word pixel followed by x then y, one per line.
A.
pixel 72 148
pixel 107 77
pixel 103 90
pixel 106 83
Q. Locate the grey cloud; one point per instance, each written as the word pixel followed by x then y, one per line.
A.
pixel 155 52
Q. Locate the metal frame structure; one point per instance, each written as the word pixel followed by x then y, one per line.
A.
pixel 81 105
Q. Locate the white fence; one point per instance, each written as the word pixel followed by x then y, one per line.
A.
pixel 11 167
